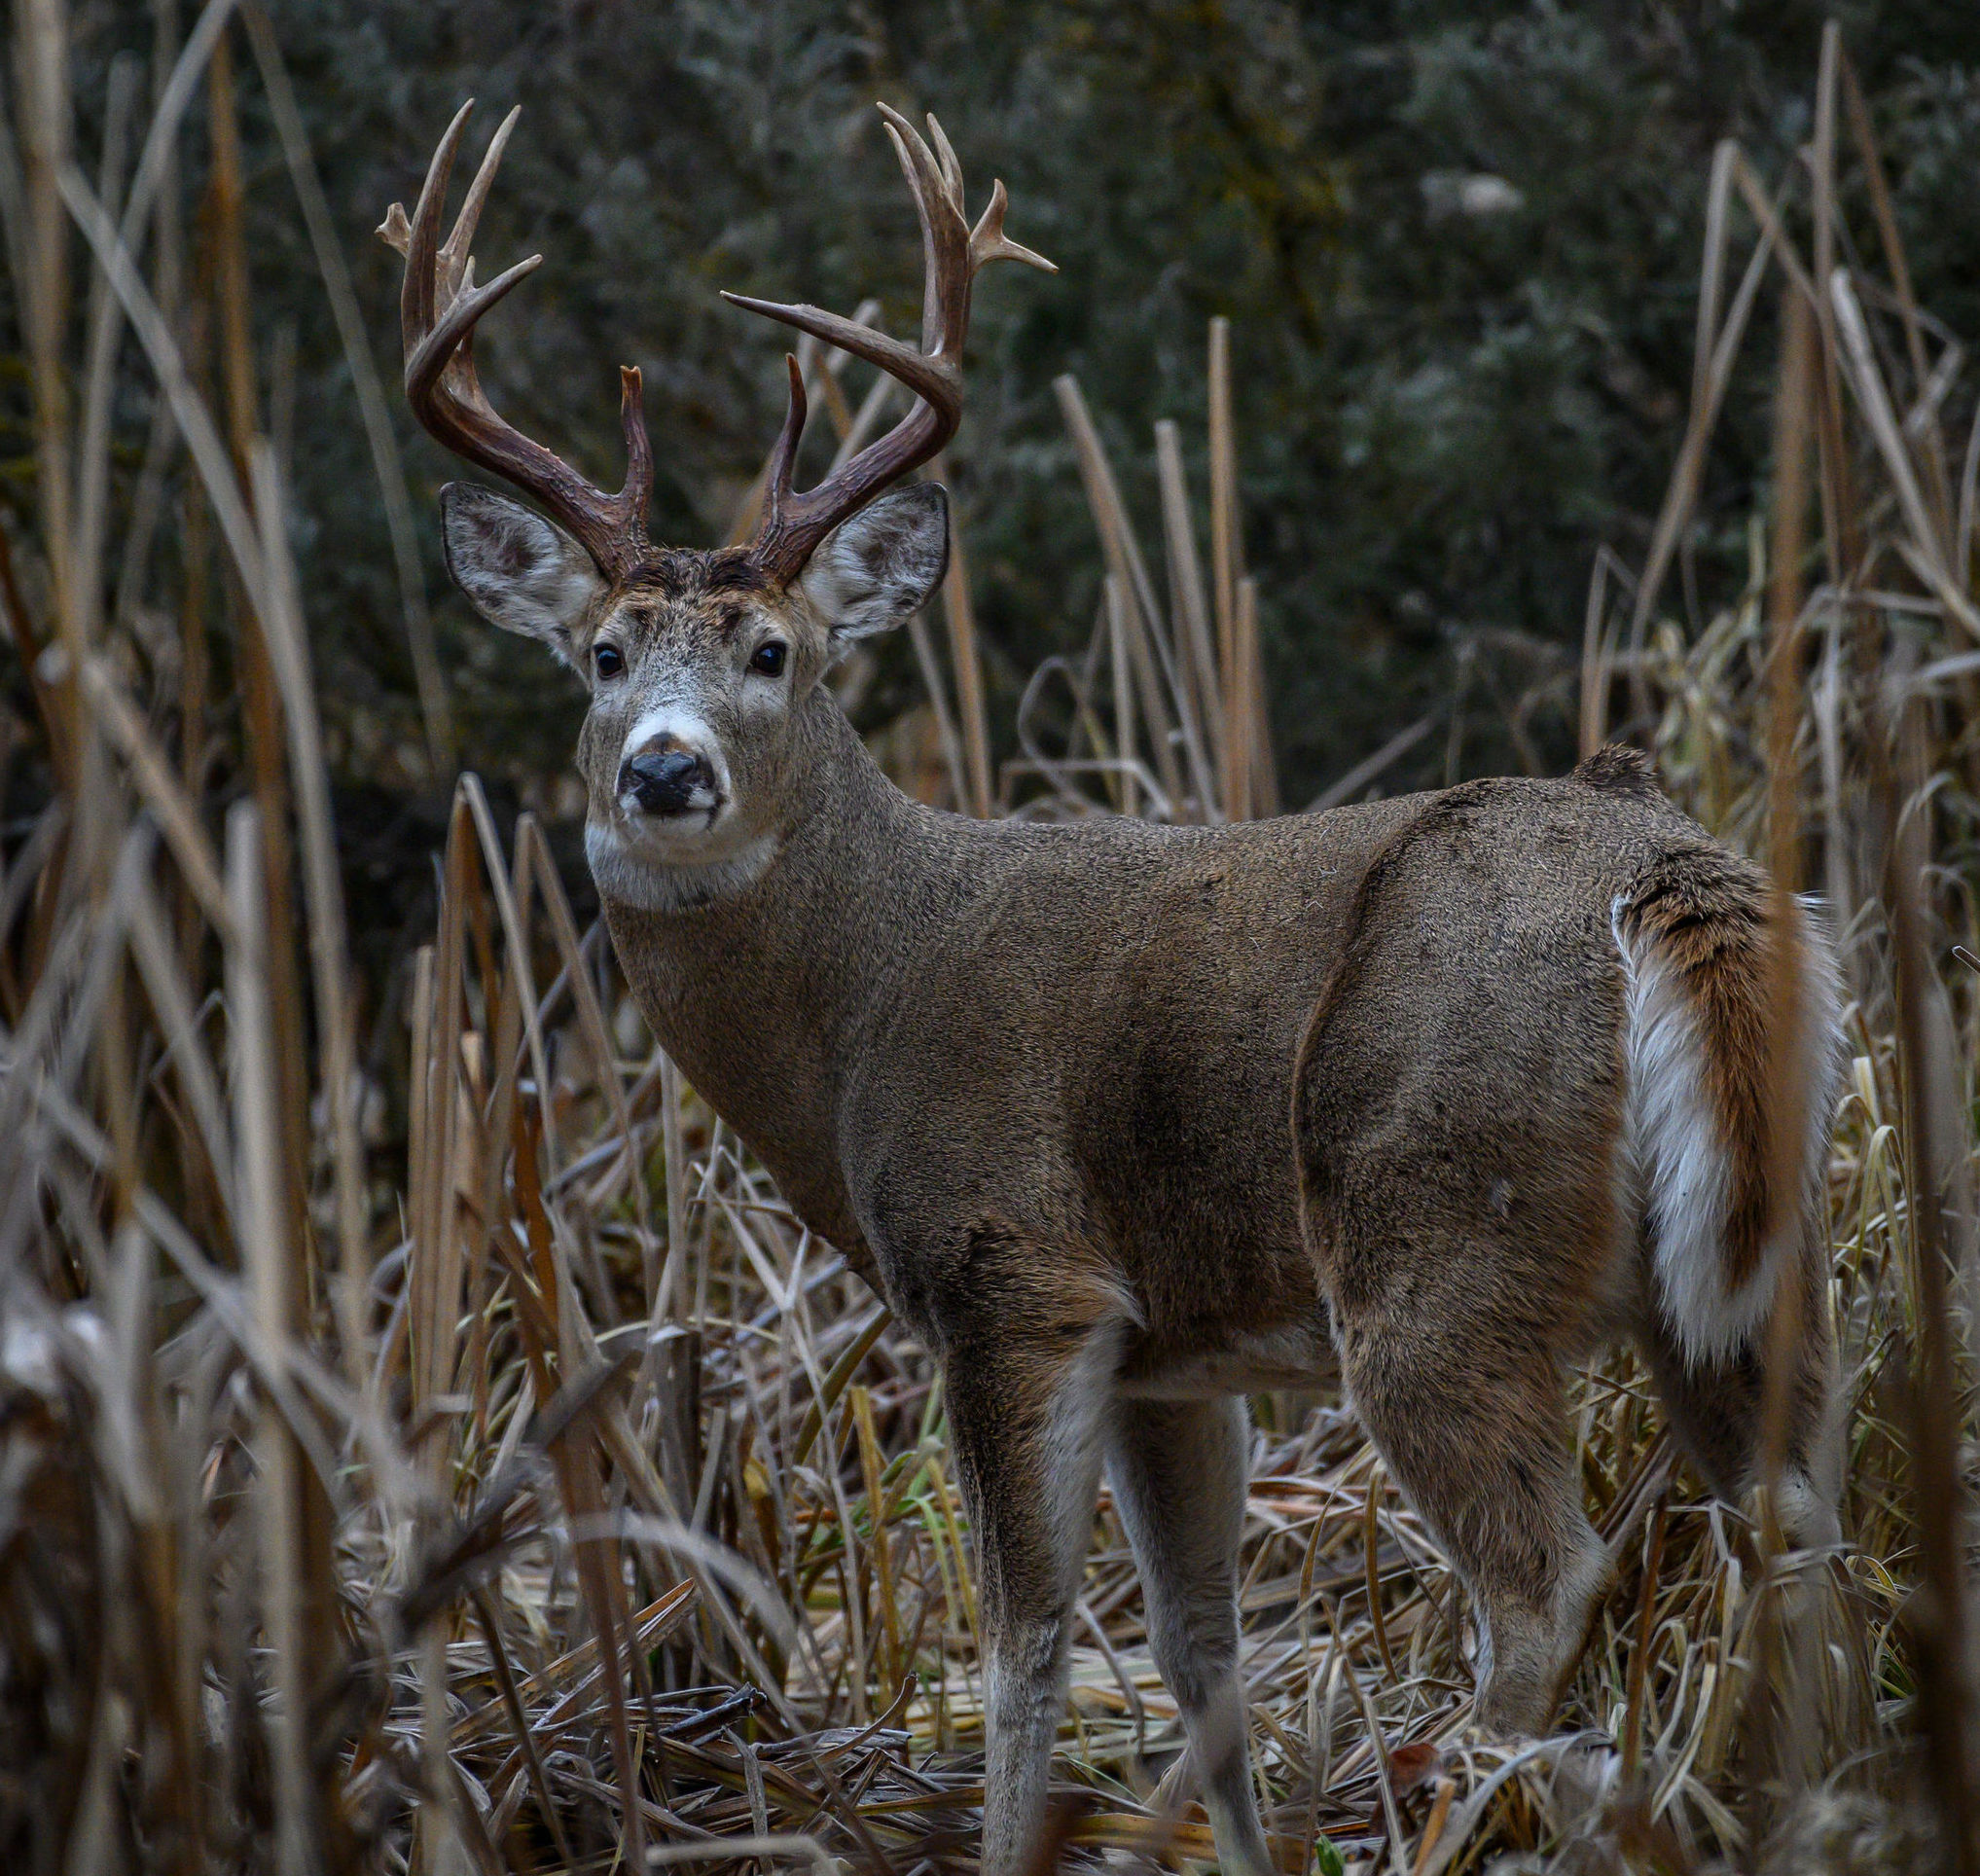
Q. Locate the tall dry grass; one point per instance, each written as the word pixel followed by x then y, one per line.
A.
pixel 566 1504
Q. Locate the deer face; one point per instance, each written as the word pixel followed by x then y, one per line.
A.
pixel 698 668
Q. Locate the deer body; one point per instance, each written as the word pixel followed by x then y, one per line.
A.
pixel 910 1014
pixel 1035 1080
pixel 1127 1120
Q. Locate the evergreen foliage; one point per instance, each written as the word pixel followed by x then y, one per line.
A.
pixel 1458 243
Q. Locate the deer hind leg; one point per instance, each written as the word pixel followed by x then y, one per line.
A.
pixel 1029 1383
pixel 1718 1404
pixel 1467 1412
pixel 1178 1471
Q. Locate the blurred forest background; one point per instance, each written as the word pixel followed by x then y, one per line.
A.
pixel 1458 244
pixel 1598 370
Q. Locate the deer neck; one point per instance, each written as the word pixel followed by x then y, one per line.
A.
pixel 756 979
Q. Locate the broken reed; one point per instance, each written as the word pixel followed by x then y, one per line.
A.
pixel 569 1500
pixel 1186 680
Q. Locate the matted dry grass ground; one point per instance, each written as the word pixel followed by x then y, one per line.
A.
pixel 562 1503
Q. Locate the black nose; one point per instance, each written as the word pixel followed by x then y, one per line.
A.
pixel 663 785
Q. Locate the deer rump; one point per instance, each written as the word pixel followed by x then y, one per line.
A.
pixel 1534 1102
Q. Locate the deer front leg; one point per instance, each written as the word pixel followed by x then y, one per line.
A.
pixel 1177 1470
pixel 1028 1401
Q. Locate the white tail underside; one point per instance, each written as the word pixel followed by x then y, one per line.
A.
pixel 1676 1160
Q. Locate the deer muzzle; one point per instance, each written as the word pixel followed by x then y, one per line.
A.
pixel 665 781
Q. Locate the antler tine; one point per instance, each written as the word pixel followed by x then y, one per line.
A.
pixel 439 308
pixel 455 258
pixel 637 492
pixel 945 235
pixel 926 376
pixel 783 454
pixel 793 524
pixel 417 296
pixel 454 334
pixel 989 242
pixel 952 170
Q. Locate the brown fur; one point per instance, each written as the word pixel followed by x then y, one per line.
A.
pixel 1034 1081
pixel 1711 922
pixel 1458 1110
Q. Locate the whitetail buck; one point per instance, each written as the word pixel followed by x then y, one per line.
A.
pixel 1036 1081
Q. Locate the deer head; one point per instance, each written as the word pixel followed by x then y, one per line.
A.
pixel 699 663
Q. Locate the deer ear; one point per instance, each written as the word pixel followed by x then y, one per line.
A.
pixel 881 566
pixel 519 571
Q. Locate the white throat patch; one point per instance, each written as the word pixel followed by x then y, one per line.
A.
pixel 638 880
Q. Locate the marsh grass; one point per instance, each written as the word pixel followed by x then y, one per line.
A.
pixel 548 1498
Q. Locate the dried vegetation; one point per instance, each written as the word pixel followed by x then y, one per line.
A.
pixel 544 1496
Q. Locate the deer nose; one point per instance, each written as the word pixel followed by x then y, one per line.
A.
pixel 665 783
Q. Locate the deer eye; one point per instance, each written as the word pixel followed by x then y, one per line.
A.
pixel 607 662
pixel 768 659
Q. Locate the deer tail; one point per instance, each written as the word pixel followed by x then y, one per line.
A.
pixel 1732 1058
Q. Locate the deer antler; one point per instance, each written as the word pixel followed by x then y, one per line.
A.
pixel 438 311
pixel 793 524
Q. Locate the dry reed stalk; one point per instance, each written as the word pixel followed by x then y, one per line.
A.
pixel 1125 746
pixel 1787 1106
pixel 177 818
pixel 938 699
pixel 433 1248
pixel 966 660
pixel 1227 568
pixel 1188 601
pixel 1931 444
pixel 42 63
pixel 1149 656
pixel 92 468
pixel 1921 549
pixel 281 621
pixel 532 846
pixel 411 1325
pixel 1834 468
pixel 1931 1393
pixel 1254 723
pixel 1598 652
pixel 436 715
pixel 261 701
pixel 268 1253
pixel 1372 768
pixel 1711 373
pixel 785 1514
pixel 1931 1396
pixel 1213 691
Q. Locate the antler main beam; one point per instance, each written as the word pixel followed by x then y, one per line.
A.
pixel 953 253
pixel 439 308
